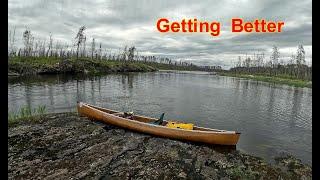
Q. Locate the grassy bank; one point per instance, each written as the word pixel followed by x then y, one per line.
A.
pixel 162 66
pixel 26 113
pixel 271 79
pixel 52 65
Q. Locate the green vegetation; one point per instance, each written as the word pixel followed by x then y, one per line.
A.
pixel 26 113
pixel 53 65
pixel 163 66
pixel 40 57
pixel 280 80
pixel 295 68
pixel 294 72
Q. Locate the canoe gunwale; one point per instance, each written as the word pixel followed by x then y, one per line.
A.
pixel 136 121
pixel 157 126
pixel 142 125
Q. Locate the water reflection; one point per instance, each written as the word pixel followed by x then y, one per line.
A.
pixel 271 97
pixel 272 118
pixel 296 106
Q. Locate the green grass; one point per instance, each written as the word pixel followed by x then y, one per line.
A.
pixel 26 113
pixel 279 80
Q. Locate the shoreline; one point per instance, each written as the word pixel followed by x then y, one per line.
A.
pixel 20 66
pixel 50 145
pixel 187 72
pixel 277 80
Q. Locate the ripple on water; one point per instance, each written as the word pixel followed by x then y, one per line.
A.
pixel 272 118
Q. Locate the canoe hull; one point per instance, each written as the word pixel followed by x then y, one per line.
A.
pixel 209 137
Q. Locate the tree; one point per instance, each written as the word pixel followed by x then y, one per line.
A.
pixel 36 48
pixel 300 55
pixel 27 36
pixel 50 46
pixel 247 62
pixel 260 58
pixel 124 54
pixel 80 38
pixel 292 59
pixel 84 54
pixel 275 56
pixel 100 51
pixel 239 61
pixel 93 48
pixel 131 53
pixel 300 59
pixel 12 50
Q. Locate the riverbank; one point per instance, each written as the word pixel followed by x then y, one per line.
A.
pixel 278 80
pixel 187 72
pixel 52 65
pixel 64 145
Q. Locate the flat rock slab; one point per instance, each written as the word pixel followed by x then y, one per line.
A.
pixel 66 146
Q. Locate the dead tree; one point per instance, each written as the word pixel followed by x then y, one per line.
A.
pixel 12 50
pixel 93 48
pixel 100 51
pixel 131 53
pixel 49 51
pixel 27 36
pixel 80 38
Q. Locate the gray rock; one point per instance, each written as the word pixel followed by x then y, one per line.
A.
pixel 69 147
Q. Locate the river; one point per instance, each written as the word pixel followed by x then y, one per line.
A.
pixel 272 118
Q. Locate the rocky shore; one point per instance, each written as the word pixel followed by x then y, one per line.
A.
pixel 66 146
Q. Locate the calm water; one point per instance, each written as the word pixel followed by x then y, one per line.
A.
pixel 271 118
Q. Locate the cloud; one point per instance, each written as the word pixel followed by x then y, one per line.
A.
pixel 116 23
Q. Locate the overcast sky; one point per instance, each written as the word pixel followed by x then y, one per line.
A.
pixel 116 23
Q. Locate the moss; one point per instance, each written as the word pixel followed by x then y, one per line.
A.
pixel 240 172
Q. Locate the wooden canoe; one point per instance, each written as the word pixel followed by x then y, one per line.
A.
pixel 141 124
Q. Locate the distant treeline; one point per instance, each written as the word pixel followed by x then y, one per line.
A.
pixel 81 49
pixel 295 68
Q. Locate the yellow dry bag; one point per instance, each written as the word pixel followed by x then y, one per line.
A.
pixel 172 124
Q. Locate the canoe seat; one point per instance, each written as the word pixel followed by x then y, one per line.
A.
pixel 124 115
